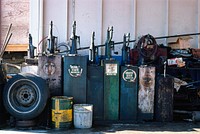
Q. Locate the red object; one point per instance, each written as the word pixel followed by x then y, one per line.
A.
pixel 134 54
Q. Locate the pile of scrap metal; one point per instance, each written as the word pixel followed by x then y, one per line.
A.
pixel 182 54
pixel 130 82
pixel 183 64
pixel 186 99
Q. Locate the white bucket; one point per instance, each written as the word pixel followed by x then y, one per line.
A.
pixel 83 115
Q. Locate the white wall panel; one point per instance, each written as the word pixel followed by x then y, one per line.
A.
pixel 87 20
pixel 139 17
pixel 34 21
pixel 56 11
pixel 117 13
pixel 182 18
pixel 151 17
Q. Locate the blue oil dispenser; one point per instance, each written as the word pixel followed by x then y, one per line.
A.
pixel 128 85
pixel 75 71
pixel 95 83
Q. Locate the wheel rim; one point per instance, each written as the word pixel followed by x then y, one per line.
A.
pixel 26 95
pixel 147 46
pixel 23 96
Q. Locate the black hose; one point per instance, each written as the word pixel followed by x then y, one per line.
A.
pixel 143 46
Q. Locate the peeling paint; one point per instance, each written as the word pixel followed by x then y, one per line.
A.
pixel 146 90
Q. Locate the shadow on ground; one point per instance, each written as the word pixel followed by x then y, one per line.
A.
pixel 147 127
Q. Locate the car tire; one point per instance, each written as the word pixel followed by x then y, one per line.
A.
pixel 25 96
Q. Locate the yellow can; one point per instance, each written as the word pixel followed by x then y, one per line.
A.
pixel 62 111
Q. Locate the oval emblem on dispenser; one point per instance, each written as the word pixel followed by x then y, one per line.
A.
pixel 129 75
pixel 75 70
pixel 49 68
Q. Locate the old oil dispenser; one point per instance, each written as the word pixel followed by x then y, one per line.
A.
pixel 128 85
pixel 111 81
pixel 95 83
pixel 164 98
pixel 147 47
pixel 75 72
pixel 50 65
pixel 146 92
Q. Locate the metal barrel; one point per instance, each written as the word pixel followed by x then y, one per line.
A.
pixel 83 114
pixel 62 112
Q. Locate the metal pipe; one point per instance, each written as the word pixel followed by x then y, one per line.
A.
pixel 178 35
pixel 161 37
pixel 7 34
pixel 5 45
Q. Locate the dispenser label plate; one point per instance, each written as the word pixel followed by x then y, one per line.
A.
pixel 49 68
pixel 129 75
pixel 111 69
pixel 75 70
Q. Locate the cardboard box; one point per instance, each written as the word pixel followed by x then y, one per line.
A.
pixel 181 43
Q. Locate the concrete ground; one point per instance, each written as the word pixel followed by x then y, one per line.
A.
pixel 141 128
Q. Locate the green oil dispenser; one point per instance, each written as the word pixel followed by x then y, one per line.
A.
pixel 111 81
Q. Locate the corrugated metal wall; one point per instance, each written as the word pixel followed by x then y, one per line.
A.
pixel 139 17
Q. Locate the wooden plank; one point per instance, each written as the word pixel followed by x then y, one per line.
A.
pixel 16 48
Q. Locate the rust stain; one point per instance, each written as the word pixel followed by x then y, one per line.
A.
pixel 146 89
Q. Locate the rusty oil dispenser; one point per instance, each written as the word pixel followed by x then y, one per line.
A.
pixel 50 64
